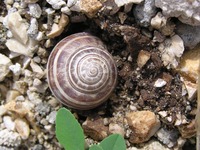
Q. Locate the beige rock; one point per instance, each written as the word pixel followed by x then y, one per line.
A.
pixel 39 85
pixel 27 49
pixel 17 107
pixel 5 62
pixel 189 64
pixel 19 42
pixel 191 89
pixel 143 124
pixel 9 123
pixel 115 128
pixel 20 86
pixel 143 57
pixel 22 128
pixel 188 130
pixel 57 29
pixel 37 70
pixel 95 128
pixel 90 7
pixel 17 26
pixel 160 83
pixel 30 1
pixel 11 95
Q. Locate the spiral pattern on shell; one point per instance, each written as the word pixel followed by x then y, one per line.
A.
pixel 81 72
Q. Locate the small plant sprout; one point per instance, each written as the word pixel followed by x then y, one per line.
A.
pixel 70 134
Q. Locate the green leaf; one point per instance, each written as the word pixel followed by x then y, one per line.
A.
pixel 113 142
pixel 95 147
pixel 68 131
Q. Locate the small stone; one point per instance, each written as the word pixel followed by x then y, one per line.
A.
pixel 39 85
pixel 9 123
pixel 34 97
pixel 37 70
pixel 11 95
pixel 189 64
pixel 21 108
pixel 66 10
pixel 143 124
pixel 9 2
pixel 94 127
pixel 168 137
pixel 19 48
pixel 33 28
pixel 186 11
pixel 5 62
pixel 143 12
pixel 3 91
pixel 35 10
pixel 188 130
pixel 17 26
pixel 42 108
pixel 30 1
pixel 171 50
pixel 116 129
pixel 191 89
pixel 70 3
pixel 2 110
pixel 125 2
pixel 160 83
pixel 57 29
pixel 9 138
pixel 22 128
pixel 90 7
pixel 53 102
pixel 56 4
pixel 143 57
pixel 163 113
pixel 16 69
pixel 158 21
pixel 20 86
pixel 52 117
pixel 20 98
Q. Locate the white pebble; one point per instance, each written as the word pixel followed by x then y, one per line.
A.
pixel 35 10
pixel 5 62
pixel 22 128
pixel 16 69
pixel 9 123
pixel 160 83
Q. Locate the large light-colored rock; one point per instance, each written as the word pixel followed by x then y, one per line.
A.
pixel 57 29
pixel 125 2
pixel 9 123
pixel 5 62
pixel 143 124
pixel 185 10
pixel 22 128
pixel 144 12
pixel 189 64
pixel 90 7
pixel 17 26
pixel 189 34
pixel 171 50
pixel 19 42
pixel 9 138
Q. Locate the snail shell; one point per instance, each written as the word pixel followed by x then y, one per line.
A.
pixel 81 72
